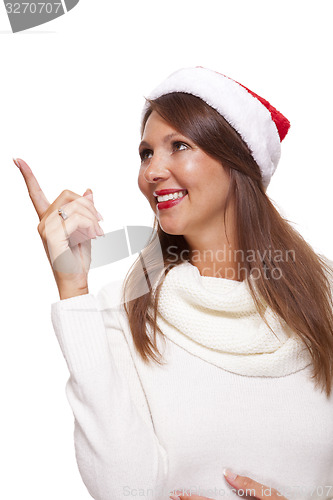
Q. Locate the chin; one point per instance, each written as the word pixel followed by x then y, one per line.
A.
pixel 171 229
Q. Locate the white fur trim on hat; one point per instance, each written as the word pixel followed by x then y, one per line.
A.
pixel 244 112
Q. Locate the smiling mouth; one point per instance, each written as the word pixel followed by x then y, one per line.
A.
pixel 162 205
pixel 172 196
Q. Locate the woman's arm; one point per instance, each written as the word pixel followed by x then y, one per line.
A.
pixel 116 448
pixel 117 451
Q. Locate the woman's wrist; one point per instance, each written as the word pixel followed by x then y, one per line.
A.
pixel 69 292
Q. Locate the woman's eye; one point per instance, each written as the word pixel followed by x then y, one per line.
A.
pixel 175 145
pixel 178 143
pixel 144 153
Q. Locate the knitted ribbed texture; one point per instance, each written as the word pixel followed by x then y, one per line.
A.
pixel 217 320
pixel 87 346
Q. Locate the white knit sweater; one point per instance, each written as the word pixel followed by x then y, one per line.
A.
pixel 230 394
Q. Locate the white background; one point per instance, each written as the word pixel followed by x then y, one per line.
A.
pixel 71 98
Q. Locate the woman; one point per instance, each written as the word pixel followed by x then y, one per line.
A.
pixel 217 352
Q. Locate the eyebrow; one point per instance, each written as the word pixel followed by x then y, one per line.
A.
pixel 165 139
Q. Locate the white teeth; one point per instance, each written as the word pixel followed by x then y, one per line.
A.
pixel 174 196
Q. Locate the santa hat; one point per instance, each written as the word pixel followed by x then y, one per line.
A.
pixel 261 126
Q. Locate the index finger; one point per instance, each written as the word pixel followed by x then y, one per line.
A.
pixel 38 198
pixel 250 487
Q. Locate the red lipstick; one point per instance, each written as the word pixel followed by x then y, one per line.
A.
pixel 163 192
pixel 169 203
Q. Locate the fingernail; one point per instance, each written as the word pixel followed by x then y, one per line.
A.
pixel 229 474
pixel 100 231
pixel 16 163
pixel 21 164
pixel 99 216
pixel 174 497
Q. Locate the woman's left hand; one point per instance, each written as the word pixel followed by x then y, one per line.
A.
pixel 244 485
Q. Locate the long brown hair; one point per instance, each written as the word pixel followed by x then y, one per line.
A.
pixel 302 296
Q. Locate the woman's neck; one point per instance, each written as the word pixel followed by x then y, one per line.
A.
pixel 218 263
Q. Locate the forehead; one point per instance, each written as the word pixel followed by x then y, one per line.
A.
pixel 156 123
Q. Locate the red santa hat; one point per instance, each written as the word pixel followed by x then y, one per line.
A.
pixel 261 126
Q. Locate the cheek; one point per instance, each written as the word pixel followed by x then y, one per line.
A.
pixel 142 183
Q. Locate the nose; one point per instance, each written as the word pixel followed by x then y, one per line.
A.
pixel 157 169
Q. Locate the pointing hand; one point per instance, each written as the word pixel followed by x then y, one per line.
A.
pixel 67 243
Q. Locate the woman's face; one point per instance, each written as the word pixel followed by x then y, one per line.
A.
pixel 169 160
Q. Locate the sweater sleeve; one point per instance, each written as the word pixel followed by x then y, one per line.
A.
pixel 117 450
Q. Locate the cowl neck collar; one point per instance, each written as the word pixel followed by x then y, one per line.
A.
pixel 216 319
